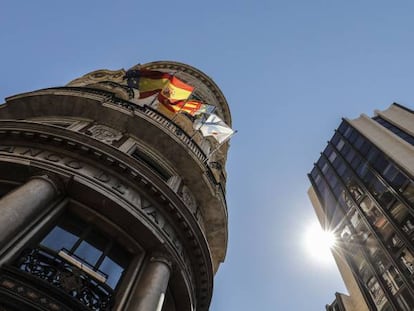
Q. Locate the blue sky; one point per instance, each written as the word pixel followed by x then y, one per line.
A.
pixel 289 69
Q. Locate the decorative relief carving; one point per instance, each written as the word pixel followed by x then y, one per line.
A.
pixel 103 133
pixel 35 297
pixel 189 199
pixel 107 80
pixel 99 76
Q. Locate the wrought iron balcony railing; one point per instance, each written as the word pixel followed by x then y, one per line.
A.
pixel 76 282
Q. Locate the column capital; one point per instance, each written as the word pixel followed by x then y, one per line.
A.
pixel 162 258
pixel 54 180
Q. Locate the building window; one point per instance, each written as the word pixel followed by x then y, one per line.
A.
pixel 78 258
pixel 397 131
pixel 86 244
pixel 151 163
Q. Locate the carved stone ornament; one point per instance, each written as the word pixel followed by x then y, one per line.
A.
pixel 105 134
pixel 100 76
pixel 107 80
pixel 188 198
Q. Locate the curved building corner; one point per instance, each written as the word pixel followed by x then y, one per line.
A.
pixel 108 202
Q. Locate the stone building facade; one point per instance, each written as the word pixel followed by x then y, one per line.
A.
pixel 109 204
pixel 363 191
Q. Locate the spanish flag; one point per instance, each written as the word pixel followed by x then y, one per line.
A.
pixel 191 107
pixel 175 91
pixel 148 82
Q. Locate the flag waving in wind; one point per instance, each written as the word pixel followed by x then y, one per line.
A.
pixel 175 91
pixel 214 126
pixel 192 107
pixel 148 82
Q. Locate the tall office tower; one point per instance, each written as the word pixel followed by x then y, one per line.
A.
pixel 363 190
pixel 109 198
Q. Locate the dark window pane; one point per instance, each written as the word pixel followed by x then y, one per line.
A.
pixel 321 162
pixel 318 179
pixel 332 157
pixel 356 162
pixel 324 168
pixel 354 136
pixel 350 156
pixel 372 154
pixel 365 148
pixel 398 181
pixel 112 270
pixel 114 265
pixel 348 132
pixel 343 127
pixel 337 162
pixel 362 169
pixel 88 253
pixel 59 238
pixel 345 150
pixel 341 169
pixel 410 140
pixel 389 172
pixel 368 178
pixel 335 139
pixel 340 145
pixel 359 142
pixel 328 151
pixel 151 163
pixel 380 163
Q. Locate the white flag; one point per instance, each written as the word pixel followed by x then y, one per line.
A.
pixel 214 126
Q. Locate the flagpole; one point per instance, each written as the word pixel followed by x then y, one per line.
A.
pixel 219 146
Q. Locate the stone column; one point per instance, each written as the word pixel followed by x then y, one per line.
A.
pixel 149 292
pixel 22 205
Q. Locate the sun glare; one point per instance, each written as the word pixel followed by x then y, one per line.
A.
pixel 319 243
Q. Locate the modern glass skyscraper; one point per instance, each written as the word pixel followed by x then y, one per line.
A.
pixel 363 190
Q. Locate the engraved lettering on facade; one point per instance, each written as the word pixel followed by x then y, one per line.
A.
pixel 168 230
pixel 31 151
pixel 74 164
pixel 9 149
pixel 53 157
pixel 119 188
pixel 101 176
